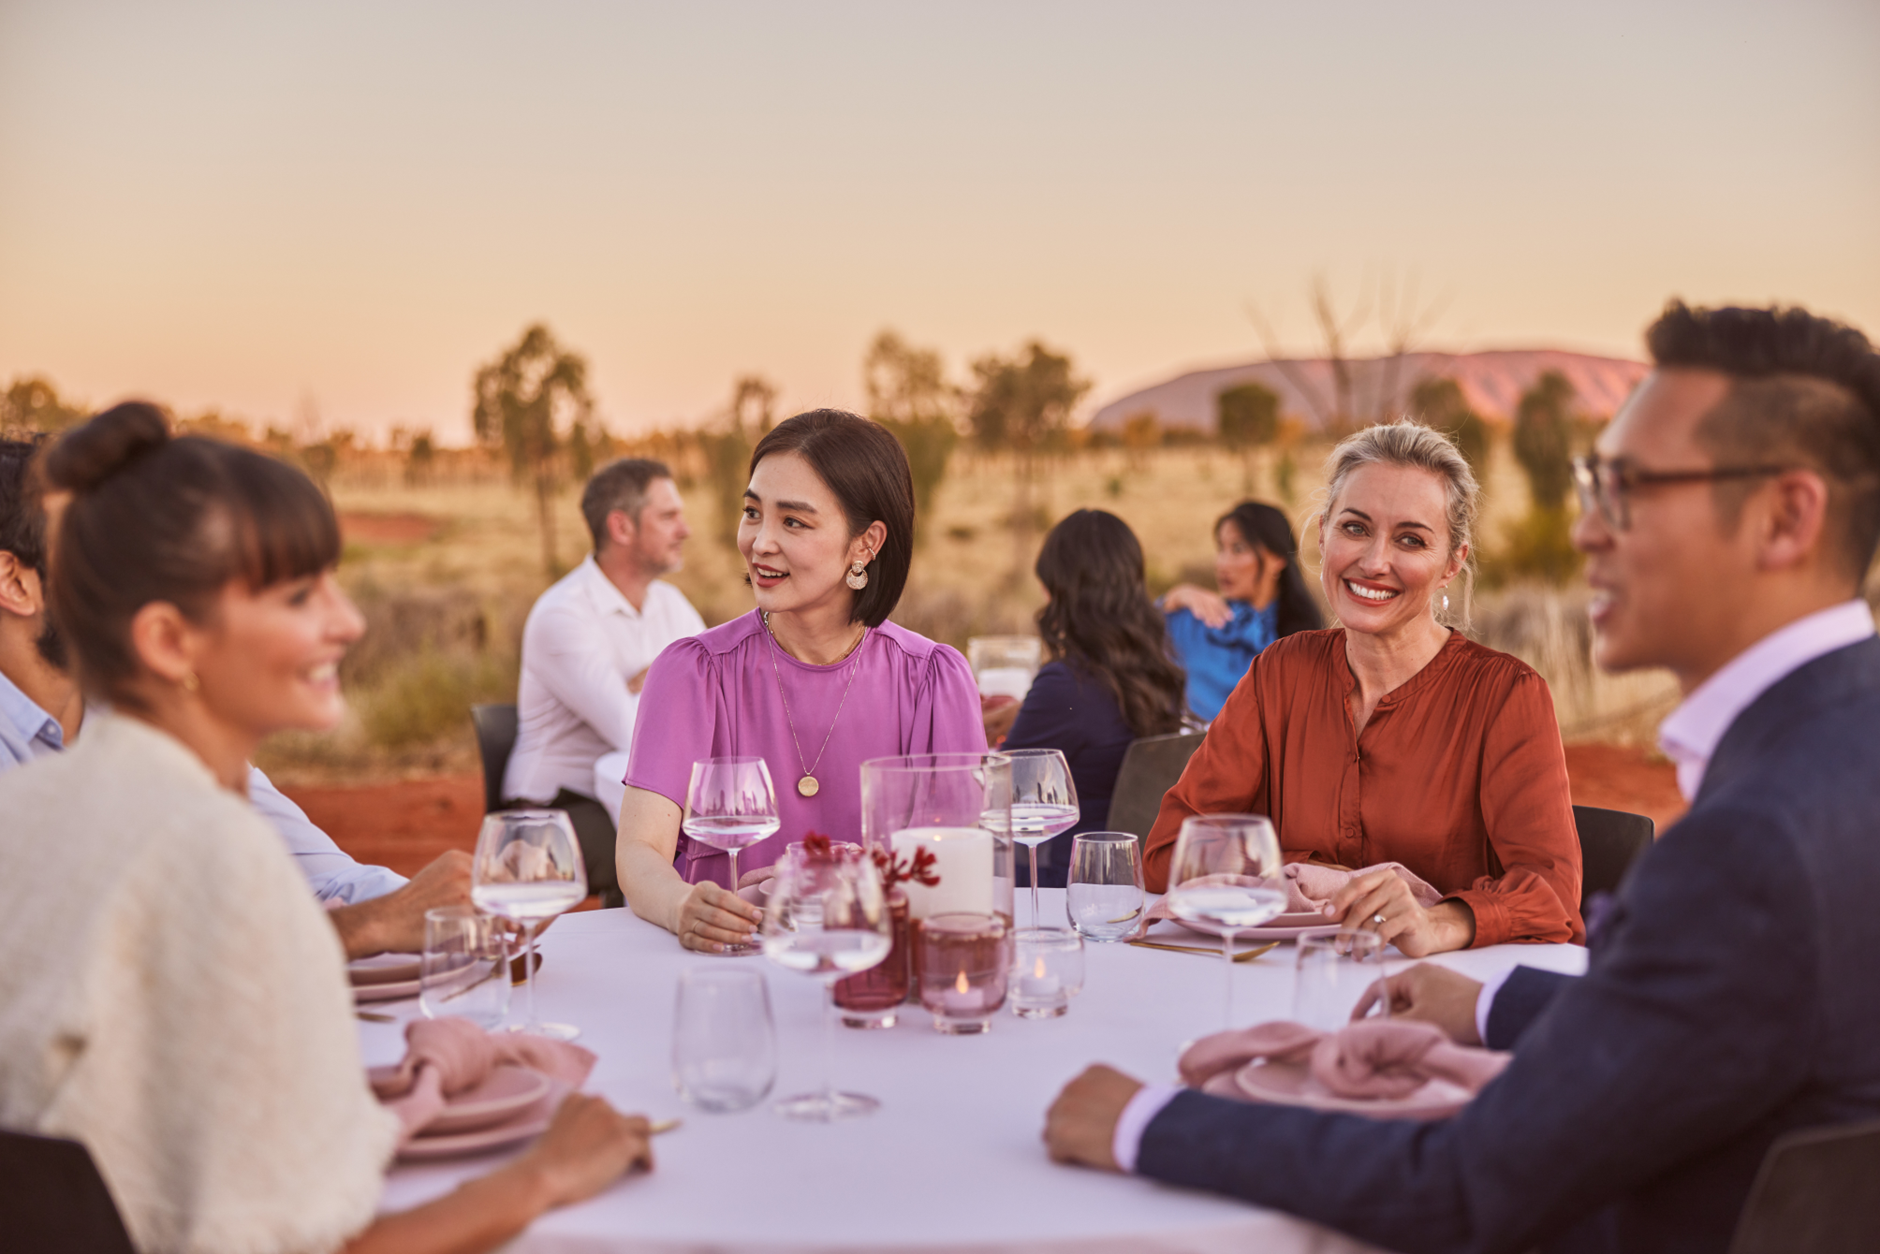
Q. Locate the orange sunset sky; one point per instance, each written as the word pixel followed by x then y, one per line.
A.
pixel 341 208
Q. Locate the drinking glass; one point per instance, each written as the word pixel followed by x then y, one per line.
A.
pixel 1004 666
pixel 527 869
pixel 465 967
pixel 828 917
pixel 731 805
pixel 955 808
pixel 724 1043
pixel 1225 874
pixel 1047 971
pixel 1044 803
pixel 1103 897
pixel 1333 970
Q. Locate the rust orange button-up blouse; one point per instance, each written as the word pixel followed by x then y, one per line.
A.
pixel 1459 775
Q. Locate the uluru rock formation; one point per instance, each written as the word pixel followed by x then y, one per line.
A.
pixel 1380 386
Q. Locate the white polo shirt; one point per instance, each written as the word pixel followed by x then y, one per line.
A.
pixel 582 643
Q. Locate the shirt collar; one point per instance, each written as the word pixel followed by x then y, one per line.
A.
pixel 1690 735
pixel 24 713
pixel 601 590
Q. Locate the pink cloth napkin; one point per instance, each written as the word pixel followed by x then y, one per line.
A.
pixel 1381 1058
pixel 1310 888
pixel 444 1057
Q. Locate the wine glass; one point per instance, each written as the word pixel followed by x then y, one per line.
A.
pixel 1044 803
pixel 527 869
pixel 731 805
pixel 1226 874
pixel 828 917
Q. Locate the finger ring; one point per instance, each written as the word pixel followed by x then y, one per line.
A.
pixel 1377 918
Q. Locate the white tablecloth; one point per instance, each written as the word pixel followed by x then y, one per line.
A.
pixel 952 1161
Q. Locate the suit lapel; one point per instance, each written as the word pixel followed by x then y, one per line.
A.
pixel 1831 679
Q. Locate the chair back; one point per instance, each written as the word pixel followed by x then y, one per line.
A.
pixel 52 1198
pixel 496 740
pixel 1610 840
pixel 1151 766
pixel 1815 1194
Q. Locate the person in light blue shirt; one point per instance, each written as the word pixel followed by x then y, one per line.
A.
pixel 374 909
pixel 1262 596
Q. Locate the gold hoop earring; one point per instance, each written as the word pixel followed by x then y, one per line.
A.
pixel 857 578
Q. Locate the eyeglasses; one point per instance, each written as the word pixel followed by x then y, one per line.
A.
pixel 1606 484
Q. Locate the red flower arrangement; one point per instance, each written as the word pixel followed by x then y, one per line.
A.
pixel 918 870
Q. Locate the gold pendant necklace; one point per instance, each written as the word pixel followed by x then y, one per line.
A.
pixel 807 785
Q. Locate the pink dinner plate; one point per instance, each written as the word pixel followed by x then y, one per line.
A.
pixel 506 1092
pixel 529 1122
pixel 1279 927
pixel 386 992
pixel 385 969
pixel 1291 1084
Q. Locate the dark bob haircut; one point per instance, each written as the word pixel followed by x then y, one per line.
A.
pixel 156 517
pixel 1803 390
pixel 867 470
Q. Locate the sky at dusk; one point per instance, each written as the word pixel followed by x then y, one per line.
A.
pixel 341 208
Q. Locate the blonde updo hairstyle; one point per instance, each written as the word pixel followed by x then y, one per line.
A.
pixel 1412 445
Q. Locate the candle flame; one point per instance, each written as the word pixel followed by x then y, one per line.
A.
pixel 1038 967
pixel 961 985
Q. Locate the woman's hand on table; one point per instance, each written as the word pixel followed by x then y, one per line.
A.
pixel 1429 994
pixel 587 1147
pixel 1381 901
pixel 1207 606
pixel 1080 1127
pixel 711 917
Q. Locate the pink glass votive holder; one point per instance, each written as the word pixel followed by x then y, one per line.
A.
pixel 1047 971
pixel 961 962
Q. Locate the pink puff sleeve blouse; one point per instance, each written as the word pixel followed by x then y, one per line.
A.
pixel 720 694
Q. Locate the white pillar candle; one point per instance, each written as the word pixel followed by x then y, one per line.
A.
pixel 962 860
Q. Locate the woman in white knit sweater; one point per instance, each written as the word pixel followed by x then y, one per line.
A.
pixel 169 994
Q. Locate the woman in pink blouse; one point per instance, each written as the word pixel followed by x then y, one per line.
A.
pixel 815 680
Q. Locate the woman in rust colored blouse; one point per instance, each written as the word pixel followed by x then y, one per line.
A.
pixel 1392 738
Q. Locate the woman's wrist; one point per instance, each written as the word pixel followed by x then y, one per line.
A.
pixel 1455 925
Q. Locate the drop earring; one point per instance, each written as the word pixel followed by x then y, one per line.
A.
pixel 1445 603
pixel 857 578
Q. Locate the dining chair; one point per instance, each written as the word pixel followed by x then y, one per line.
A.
pixel 1610 840
pixel 1815 1194
pixel 52 1198
pixel 1151 766
pixel 496 740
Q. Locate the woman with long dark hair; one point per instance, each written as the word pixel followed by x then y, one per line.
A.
pixel 1110 679
pixel 170 994
pixel 1262 598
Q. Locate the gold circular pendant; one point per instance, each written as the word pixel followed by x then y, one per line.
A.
pixel 808 786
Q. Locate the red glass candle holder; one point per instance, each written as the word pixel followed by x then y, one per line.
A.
pixel 961 962
pixel 871 999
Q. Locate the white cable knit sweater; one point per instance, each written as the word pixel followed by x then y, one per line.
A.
pixel 171 996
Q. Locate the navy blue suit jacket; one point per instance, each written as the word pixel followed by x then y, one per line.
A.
pixel 1729 998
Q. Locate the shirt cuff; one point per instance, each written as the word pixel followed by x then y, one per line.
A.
pixel 1485 1001
pixel 1135 1119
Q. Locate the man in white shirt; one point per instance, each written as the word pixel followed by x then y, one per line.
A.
pixel 585 652
pixel 41 709
pixel 1729 515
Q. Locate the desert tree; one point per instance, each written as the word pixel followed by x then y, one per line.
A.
pixel 1022 405
pixel 908 393
pixel 751 414
pixel 32 403
pixel 529 402
pixel 1539 545
pixel 1440 404
pixel 1246 419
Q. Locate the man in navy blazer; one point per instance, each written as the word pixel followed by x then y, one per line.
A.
pixel 1728 517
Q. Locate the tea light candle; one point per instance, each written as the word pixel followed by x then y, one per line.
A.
pixel 963 863
pixel 1048 970
pixel 962 962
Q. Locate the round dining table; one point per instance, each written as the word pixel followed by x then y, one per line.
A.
pixel 952 1161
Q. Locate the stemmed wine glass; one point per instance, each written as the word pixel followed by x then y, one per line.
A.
pixel 1226 873
pixel 731 805
pixel 1044 803
pixel 828 917
pixel 527 869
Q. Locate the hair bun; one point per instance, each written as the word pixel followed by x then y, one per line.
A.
pixel 106 445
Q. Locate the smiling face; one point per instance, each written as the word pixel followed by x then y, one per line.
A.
pixel 268 660
pixel 1385 548
pixel 795 539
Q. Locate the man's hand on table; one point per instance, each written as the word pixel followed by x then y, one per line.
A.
pixel 394 923
pixel 1080 1127
pixel 1430 994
